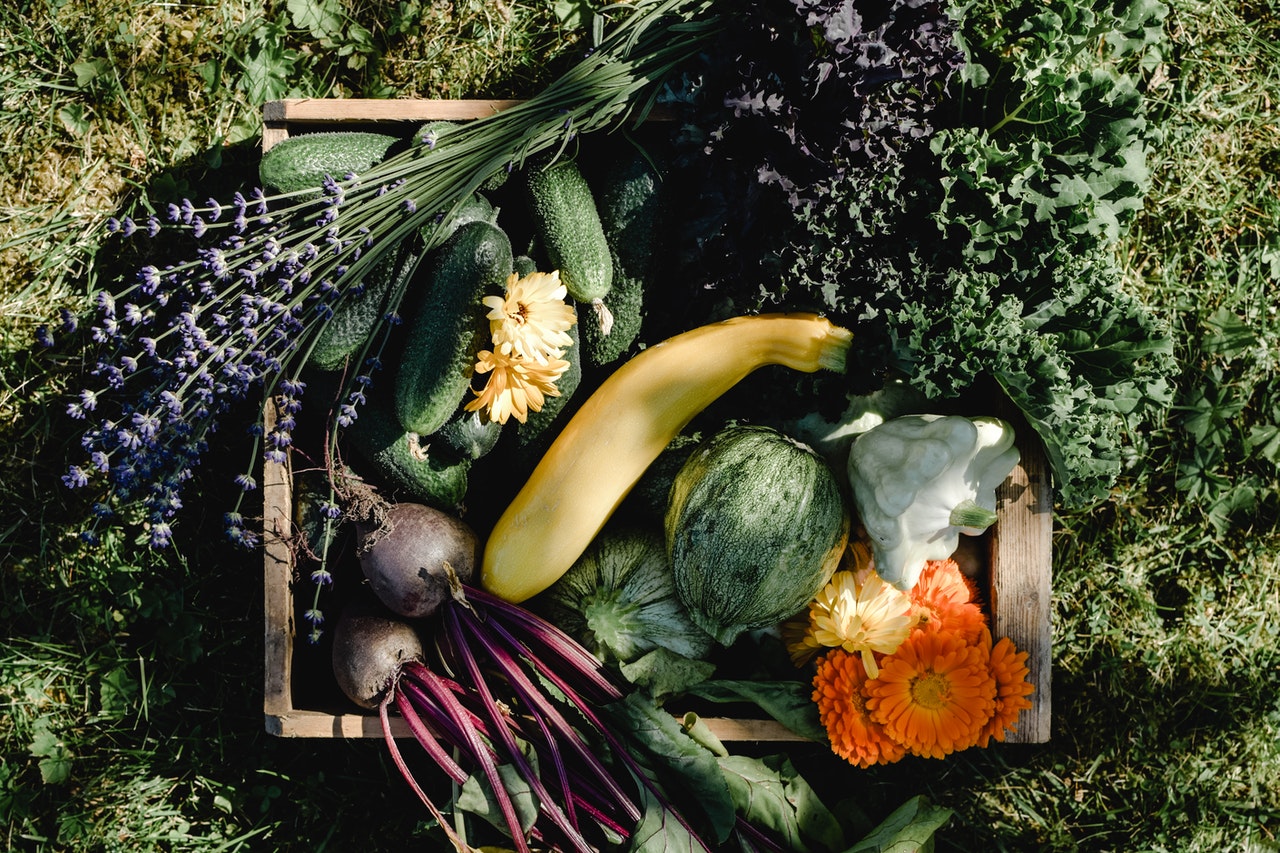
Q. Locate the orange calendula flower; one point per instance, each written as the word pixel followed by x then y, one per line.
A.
pixel 842 707
pixel 934 695
pixel 943 601
pixel 861 614
pixel 533 318
pixel 515 386
pixel 1009 668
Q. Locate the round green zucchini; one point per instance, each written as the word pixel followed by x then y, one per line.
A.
pixel 755 525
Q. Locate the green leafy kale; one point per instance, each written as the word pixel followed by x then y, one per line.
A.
pixel 1077 365
pixel 986 252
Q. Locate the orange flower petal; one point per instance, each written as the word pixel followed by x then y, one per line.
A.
pixel 934 695
pixel 1009 668
pixel 842 706
pixel 943 598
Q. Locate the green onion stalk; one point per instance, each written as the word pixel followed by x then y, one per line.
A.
pixel 182 343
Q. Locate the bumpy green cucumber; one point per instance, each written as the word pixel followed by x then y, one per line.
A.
pixel 449 326
pixel 631 203
pixel 469 434
pixel 356 316
pixel 403 463
pixel 525 265
pixel 536 433
pixel 302 162
pixel 568 225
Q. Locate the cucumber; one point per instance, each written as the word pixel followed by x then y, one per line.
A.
pixel 469 434
pixel 449 326
pixel 632 204
pixel 302 162
pixel 568 226
pixel 356 316
pixel 400 460
pixel 525 265
pixel 535 434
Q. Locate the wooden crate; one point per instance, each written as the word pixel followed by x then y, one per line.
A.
pixel 1019 544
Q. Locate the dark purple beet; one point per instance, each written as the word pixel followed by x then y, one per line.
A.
pixel 405 558
pixel 370 644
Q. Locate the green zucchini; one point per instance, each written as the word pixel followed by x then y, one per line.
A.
pixel 568 226
pixel 401 461
pixel 448 328
pixel 755 525
pixel 302 162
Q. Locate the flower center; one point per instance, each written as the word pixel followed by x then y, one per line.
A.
pixel 931 691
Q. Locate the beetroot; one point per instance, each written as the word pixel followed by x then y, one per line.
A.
pixel 370 644
pixel 405 557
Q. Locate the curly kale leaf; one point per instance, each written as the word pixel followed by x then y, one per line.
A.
pixel 1078 366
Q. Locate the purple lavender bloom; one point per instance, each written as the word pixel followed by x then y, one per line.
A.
pixel 149 277
pixel 161 535
pixel 106 303
pixel 75 477
pixel 43 337
pixel 246 482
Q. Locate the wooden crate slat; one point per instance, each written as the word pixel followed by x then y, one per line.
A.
pixel 1021 580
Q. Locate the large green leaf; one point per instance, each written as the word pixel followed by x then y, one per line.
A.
pixel 771 794
pixel 910 829
pixel 696 769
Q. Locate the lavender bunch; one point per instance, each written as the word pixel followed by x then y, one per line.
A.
pixel 184 342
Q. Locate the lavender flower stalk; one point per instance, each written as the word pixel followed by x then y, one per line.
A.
pixel 184 341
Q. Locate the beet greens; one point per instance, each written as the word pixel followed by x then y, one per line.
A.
pixel 513 691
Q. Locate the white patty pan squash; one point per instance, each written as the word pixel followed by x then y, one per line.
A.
pixel 919 481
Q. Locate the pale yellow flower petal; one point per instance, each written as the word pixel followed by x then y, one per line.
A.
pixel 860 613
pixel 514 386
pixel 533 318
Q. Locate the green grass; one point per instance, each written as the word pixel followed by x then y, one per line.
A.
pixel 130 711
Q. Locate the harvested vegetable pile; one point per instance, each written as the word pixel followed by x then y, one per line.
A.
pixel 623 380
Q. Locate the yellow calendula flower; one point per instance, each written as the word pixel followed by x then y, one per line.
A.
pixel 861 614
pixel 516 386
pixel 533 317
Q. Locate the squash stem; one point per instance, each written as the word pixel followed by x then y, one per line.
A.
pixel 967 513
